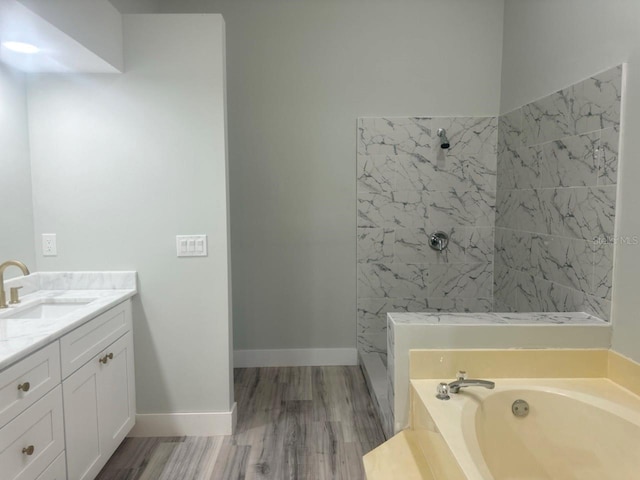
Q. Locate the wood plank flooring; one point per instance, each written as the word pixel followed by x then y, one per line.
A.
pixel 298 423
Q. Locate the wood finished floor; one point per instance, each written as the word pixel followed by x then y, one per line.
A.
pixel 307 423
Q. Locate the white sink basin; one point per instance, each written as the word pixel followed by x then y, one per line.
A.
pixel 51 309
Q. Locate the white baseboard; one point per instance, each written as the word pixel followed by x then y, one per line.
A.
pixel 295 357
pixel 208 424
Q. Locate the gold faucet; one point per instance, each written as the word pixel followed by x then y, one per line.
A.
pixel 3 267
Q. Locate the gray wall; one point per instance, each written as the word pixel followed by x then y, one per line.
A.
pixel 123 163
pixel 300 73
pixel 136 6
pixel 552 44
pixel 16 232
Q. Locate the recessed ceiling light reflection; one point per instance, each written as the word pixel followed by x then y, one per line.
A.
pixel 21 47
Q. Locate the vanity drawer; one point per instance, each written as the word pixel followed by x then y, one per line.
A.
pixel 56 471
pixel 30 442
pixel 24 383
pixel 85 342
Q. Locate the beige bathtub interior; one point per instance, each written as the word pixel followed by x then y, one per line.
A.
pixel 604 446
pixel 421 453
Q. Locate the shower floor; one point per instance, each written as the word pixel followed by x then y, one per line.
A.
pixel 374 368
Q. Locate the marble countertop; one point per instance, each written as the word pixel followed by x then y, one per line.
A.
pixel 529 319
pixel 21 337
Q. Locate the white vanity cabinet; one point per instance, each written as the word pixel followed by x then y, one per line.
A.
pixel 32 440
pixel 31 422
pixel 65 408
pixel 99 397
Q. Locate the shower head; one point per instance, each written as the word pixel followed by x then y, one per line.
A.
pixel 444 141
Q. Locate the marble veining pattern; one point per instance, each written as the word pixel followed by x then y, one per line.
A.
pixel 462 207
pixel 473 150
pixel 87 280
pixel 596 101
pixel 557 170
pixel 20 337
pixel 412 246
pixel 376 173
pixel 402 280
pixel 564 261
pixel 394 136
pixel 527 198
pixel 469 280
pixel 391 209
pixel 609 144
pixel 372 312
pixel 547 119
pixel 589 213
pixel 421 174
pixel 563 318
pixel 121 280
pixel 520 168
pixel 408 188
pixel 602 271
pixel 375 245
pixel 505 287
pixel 571 161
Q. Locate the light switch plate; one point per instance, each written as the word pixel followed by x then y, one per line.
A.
pixel 49 245
pixel 191 245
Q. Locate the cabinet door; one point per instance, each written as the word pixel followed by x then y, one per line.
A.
pixel 24 383
pixel 85 342
pixel 99 407
pixel 82 432
pixel 56 471
pixel 116 399
pixel 32 440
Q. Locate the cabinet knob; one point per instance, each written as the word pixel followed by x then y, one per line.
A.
pixel 24 386
pixel 106 358
pixel 28 450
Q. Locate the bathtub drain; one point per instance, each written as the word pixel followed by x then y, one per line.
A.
pixel 520 408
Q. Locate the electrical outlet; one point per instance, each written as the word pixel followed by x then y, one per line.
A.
pixel 49 246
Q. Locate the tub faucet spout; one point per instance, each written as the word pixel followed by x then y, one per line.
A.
pixel 455 386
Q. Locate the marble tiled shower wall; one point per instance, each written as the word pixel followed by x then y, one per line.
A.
pixel 556 199
pixel 408 188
